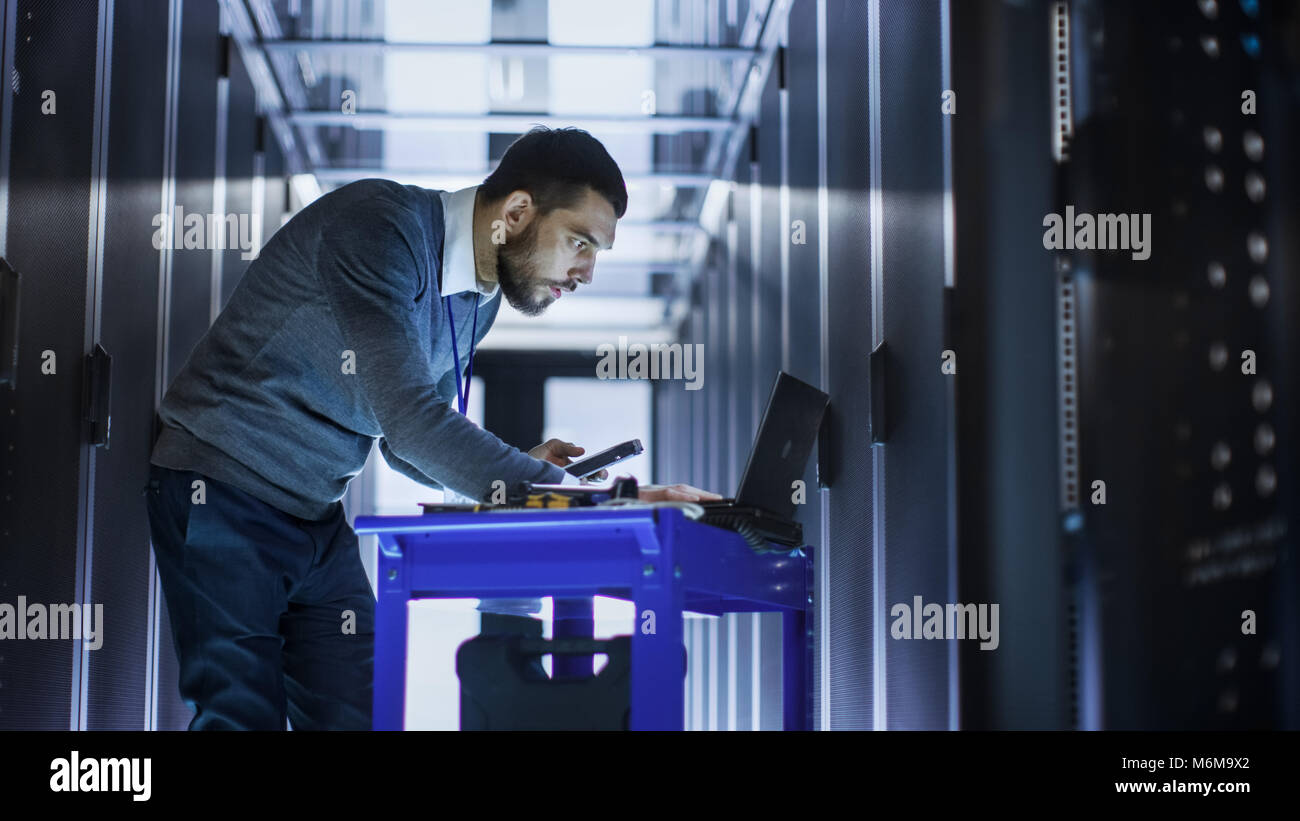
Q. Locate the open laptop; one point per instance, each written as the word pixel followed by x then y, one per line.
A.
pixel 763 508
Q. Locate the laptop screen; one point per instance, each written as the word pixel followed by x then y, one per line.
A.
pixel 784 442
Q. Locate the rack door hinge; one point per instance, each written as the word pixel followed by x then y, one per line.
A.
pixel 97 396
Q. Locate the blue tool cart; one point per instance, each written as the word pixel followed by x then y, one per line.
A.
pixel 656 558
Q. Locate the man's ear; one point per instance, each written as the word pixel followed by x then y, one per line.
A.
pixel 517 209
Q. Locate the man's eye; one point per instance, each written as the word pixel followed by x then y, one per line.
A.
pixel 578 244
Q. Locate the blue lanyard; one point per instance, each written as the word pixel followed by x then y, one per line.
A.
pixel 462 396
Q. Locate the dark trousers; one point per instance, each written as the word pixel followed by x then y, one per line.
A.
pixel 272 615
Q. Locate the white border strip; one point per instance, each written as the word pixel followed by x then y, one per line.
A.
pixel 756 672
pixel 697 677
pixel 875 210
pixel 950 281
pixel 757 385
pixel 163 337
pixel 733 624
pixel 822 557
pixel 10 11
pixel 218 247
pixel 93 317
pixel 783 95
pixel 713 672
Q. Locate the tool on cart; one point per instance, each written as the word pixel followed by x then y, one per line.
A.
pixel 529 495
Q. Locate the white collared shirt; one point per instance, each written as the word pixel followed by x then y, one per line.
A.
pixel 458 271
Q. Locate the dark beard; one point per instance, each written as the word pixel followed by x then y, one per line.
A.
pixel 517 273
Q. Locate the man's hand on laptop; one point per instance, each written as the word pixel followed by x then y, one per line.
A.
pixel 674 493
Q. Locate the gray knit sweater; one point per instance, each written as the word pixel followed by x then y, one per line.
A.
pixel 337 336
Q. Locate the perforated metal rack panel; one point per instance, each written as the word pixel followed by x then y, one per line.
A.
pixel 41 432
pixel 772 236
pixel 275 201
pixel 195 166
pixel 191 269
pixel 718 378
pixel 915 475
pixel 769 333
pixel 804 288
pixel 742 263
pixel 121 568
pixel 1197 453
pixel 850 630
pixel 241 140
pixel 744 631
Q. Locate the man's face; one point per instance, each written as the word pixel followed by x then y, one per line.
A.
pixel 553 253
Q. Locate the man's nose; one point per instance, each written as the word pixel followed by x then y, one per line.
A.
pixel 584 274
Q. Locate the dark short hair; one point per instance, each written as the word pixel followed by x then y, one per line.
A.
pixel 556 166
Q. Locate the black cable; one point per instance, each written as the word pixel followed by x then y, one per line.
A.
pixel 746 529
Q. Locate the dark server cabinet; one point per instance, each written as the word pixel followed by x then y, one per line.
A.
pixel 1009 525
pixel 1127 486
pixel 117 113
pixel 51 47
pixel 119 681
pixel 1186 364
pixel 916 530
pixel 202 52
pixel 801 235
pixel 744 267
pixel 718 378
pixel 768 336
pixel 851 628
